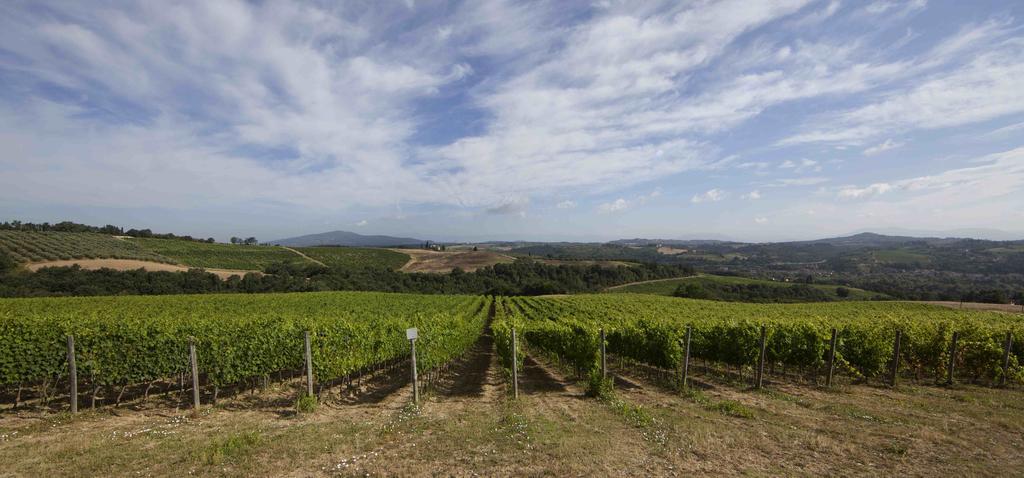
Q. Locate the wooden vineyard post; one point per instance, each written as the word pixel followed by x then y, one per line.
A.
pixel 759 381
pixel 686 356
pixel 1006 359
pixel 831 358
pixel 72 375
pixel 604 360
pixel 952 359
pixel 412 334
pixel 195 373
pixel 515 366
pixel 309 367
pixel 896 357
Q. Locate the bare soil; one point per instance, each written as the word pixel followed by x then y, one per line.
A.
pixel 1012 308
pixel 130 265
pixel 422 260
pixel 650 281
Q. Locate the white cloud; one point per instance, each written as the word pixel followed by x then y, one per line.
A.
pixel 985 88
pixel 752 195
pixel 619 204
pixel 513 207
pixel 361 223
pixel 806 181
pixel 622 204
pixel 872 190
pixel 884 146
pixel 895 8
pixel 801 165
pixel 761 220
pixel 712 195
pixel 997 175
pixel 567 204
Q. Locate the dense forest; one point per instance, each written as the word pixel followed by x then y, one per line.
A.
pixel 757 292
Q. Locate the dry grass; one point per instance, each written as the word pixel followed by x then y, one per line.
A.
pixel 469 426
pixel 1012 308
pixel 443 262
pixel 131 265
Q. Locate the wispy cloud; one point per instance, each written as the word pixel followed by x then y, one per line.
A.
pixel 484 107
pixel 882 147
pixel 712 195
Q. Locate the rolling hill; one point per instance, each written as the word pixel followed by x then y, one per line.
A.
pixel 345 238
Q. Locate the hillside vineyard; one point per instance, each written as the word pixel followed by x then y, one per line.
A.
pixel 123 341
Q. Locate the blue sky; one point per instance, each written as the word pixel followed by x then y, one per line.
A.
pixel 753 120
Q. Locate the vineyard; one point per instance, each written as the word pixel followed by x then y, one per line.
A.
pixel 650 330
pixel 24 246
pixel 356 257
pixel 221 256
pixel 128 341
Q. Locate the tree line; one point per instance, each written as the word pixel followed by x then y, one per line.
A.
pixel 523 277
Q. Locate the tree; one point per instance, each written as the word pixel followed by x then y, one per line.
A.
pixel 210 240
pixel 842 292
pixel 236 240
pixel 249 241
pixel 475 249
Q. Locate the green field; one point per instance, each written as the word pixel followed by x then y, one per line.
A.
pixel 218 256
pixel 349 257
pixel 23 246
pixel 667 287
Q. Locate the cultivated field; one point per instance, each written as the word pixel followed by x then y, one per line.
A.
pixel 468 423
pixel 40 247
pixel 355 257
pixel 443 262
pixel 218 256
pixel 668 286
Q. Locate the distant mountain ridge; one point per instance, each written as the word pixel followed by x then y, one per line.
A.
pixel 863 239
pixel 346 238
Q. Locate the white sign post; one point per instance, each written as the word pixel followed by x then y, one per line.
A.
pixel 413 334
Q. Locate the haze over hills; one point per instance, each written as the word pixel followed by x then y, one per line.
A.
pixel 345 238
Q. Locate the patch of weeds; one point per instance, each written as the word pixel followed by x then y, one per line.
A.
pixel 306 404
pixel 897 448
pixel 515 427
pixel 229 449
pixel 731 408
pixel 785 397
pixel 598 386
pixel 965 398
pixel 639 417
pixel 407 414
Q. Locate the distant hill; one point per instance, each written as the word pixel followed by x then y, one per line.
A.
pixel 345 238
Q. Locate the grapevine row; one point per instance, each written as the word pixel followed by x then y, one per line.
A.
pixel 131 340
pixel 649 329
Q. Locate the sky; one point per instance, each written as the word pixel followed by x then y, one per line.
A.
pixel 489 119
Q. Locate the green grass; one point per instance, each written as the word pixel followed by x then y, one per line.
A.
pixel 351 257
pixel 24 246
pixel 667 287
pixel 218 256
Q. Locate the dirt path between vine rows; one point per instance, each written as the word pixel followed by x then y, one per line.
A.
pixel 310 259
pixel 620 286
